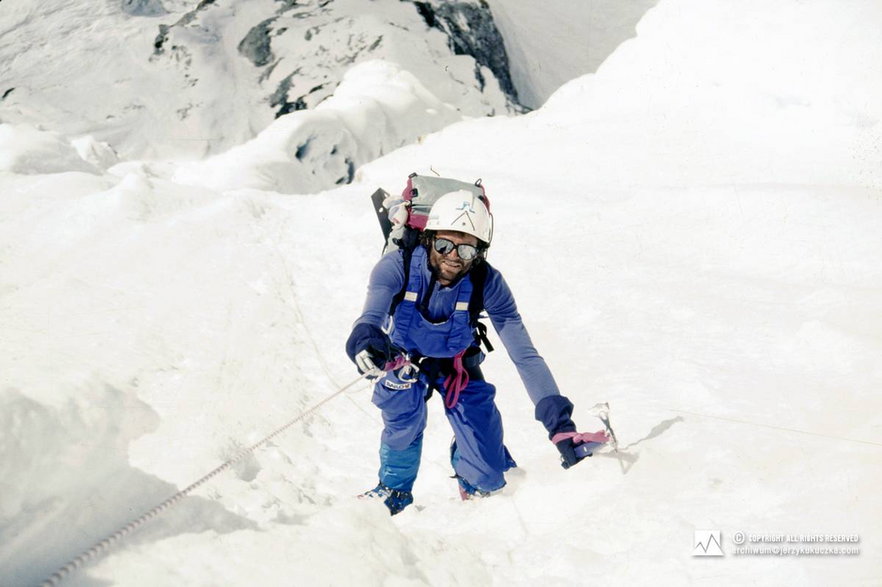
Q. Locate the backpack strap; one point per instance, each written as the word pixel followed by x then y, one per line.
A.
pixel 478 276
pixel 476 304
pixel 407 255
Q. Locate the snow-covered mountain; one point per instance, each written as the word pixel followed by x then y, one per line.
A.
pixel 259 80
pixel 691 234
pixel 161 78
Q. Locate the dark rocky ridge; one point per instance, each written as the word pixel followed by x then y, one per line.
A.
pixel 471 31
pixel 468 25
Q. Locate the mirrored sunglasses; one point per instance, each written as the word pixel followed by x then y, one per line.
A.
pixel 466 252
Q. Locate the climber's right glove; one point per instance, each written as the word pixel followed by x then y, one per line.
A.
pixel 370 349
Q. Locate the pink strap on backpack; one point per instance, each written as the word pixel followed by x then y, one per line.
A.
pixel 417 221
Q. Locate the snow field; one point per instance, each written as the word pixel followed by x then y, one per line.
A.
pixel 714 278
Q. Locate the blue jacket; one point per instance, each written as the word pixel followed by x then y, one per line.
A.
pixel 387 280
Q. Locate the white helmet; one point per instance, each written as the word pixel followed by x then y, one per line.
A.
pixel 462 211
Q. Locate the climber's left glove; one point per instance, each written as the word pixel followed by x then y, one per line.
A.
pixel 555 413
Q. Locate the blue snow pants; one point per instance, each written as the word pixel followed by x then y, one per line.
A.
pixel 480 457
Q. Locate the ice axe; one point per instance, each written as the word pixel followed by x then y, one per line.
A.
pixel 602 412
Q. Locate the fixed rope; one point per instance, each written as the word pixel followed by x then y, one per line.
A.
pixel 104 545
pixel 773 427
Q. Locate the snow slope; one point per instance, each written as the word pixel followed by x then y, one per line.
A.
pixel 377 108
pixel 692 236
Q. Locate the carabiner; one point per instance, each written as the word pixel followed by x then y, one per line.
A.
pixel 409 373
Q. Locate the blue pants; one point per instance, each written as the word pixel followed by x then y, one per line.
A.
pixel 480 458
